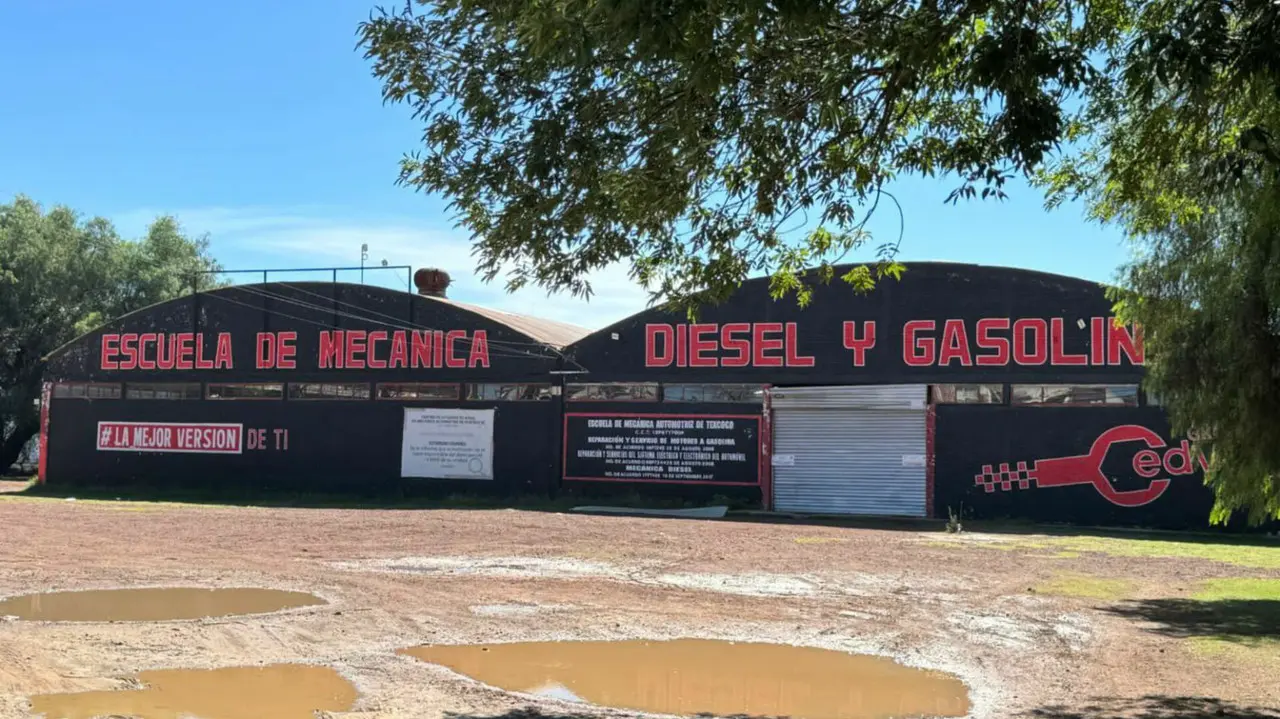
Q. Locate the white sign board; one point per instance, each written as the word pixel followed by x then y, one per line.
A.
pixel 447 443
pixel 784 460
pixel 913 460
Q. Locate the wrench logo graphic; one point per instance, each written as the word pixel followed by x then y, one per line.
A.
pixel 1080 469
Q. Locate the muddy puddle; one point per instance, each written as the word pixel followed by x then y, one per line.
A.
pixel 151 605
pixel 279 691
pixel 695 676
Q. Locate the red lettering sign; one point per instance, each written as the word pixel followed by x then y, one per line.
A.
pixel 151 351
pixel 479 356
pixel 375 337
pixel 955 344
pixel 918 351
pixel 1000 345
pixel 735 344
pixel 859 345
pixel 451 359
pixel 1086 469
pixel 733 340
pixel 170 437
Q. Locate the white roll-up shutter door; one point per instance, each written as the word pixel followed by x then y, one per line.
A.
pixel 850 450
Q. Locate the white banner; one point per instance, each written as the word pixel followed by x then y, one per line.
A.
pixel 447 443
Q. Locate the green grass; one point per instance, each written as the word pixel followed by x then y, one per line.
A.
pixel 1254 552
pixel 1087 586
pixel 1214 549
pixel 1239 588
pixel 1245 611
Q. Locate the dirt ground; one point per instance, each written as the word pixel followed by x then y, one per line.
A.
pixel 1032 626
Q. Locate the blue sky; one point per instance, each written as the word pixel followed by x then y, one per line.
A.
pixel 259 123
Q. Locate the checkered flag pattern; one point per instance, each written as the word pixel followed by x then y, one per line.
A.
pixel 1004 477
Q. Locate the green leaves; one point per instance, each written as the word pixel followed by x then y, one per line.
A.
pixel 1181 156
pixel 61 276
pixel 705 142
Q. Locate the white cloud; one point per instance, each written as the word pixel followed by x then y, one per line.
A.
pixel 256 238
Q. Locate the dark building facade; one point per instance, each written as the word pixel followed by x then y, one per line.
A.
pixel 995 392
pixel 1004 392
pixel 309 385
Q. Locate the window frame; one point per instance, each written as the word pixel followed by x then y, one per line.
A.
pixel 548 386
pixel 997 387
pixel 742 386
pixel 289 392
pixel 457 391
pixel 1106 390
pixel 569 387
pixel 118 386
pixel 208 391
pixel 130 386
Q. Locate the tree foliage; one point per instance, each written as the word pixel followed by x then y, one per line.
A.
pixel 1181 152
pixel 61 275
pixel 705 141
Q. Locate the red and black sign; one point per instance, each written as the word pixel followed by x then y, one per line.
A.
pixel 1085 465
pixel 335 349
pixel 993 342
pixel 721 449
pixel 939 323
pixel 171 437
pixel 1087 469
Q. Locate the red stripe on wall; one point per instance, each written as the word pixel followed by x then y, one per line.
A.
pixel 46 394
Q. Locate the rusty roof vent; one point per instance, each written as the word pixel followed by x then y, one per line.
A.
pixel 432 282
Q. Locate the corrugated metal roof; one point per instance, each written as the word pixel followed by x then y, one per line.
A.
pixel 556 334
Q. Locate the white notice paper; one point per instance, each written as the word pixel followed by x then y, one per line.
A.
pixel 913 460
pixel 784 460
pixel 447 443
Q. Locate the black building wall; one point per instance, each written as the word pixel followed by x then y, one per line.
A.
pixel 816 335
pixel 1049 464
pixel 350 444
pixel 941 323
pixel 347 446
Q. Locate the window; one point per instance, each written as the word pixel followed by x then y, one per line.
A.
pixel 968 394
pixel 507 392
pixel 86 390
pixel 328 390
pixel 1110 395
pixel 752 393
pixel 417 390
pixel 162 390
pixel 612 392
pixel 229 390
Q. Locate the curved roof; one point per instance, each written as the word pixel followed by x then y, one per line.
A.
pixel 957 267
pixel 550 332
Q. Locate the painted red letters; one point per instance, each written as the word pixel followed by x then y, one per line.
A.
pixel 1000 345
pixel 338 349
pixel 1028 341
pixel 859 345
pixel 734 344
pixel 414 349
pixel 918 351
pixel 955 344
pixel 151 351
pixel 989 342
